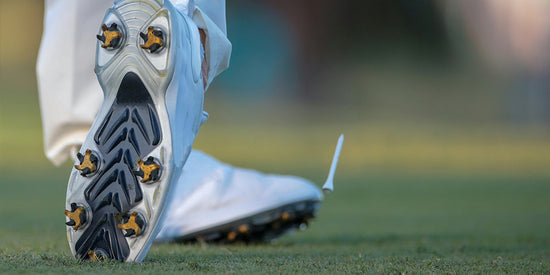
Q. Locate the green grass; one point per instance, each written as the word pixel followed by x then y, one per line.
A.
pixel 380 224
pixel 408 199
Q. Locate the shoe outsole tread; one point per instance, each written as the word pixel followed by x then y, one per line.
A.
pixel 128 133
pixel 258 228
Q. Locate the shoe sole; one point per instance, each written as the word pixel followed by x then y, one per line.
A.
pixel 115 206
pixel 259 228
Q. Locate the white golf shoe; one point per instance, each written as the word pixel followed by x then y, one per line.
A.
pixel 148 63
pixel 216 202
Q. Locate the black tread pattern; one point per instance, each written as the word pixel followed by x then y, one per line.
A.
pixel 130 131
pixel 272 225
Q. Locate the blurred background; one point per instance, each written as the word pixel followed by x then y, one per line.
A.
pixel 443 104
pixel 424 86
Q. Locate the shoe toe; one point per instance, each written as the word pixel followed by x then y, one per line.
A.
pixel 289 189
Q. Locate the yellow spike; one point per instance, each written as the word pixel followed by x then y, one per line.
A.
pixel 147 170
pixel 243 229
pixel 131 224
pixel 92 256
pixel 152 39
pixel 86 162
pixel 75 216
pixel 109 36
pixel 285 216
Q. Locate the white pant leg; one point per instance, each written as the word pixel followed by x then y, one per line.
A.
pixel 69 92
pixel 215 9
pixel 209 15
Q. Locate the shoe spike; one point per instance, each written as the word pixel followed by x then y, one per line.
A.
pixel 77 216
pixel 88 163
pixel 154 39
pixel 149 171
pixel 110 36
pixel 285 216
pixel 133 225
pixel 231 236
pixel 243 229
pixel 97 255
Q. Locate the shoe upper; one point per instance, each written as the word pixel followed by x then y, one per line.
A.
pixel 185 94
pixel 210 193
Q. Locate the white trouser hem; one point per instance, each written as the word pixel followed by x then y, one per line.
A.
pixel 217 46
pixel 58 152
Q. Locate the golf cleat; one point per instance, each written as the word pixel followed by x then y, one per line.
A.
pixel 77 216
pixel 149 170
pixel 150 101
pixel 285 216
pixel 238 234
pixel 153 40
pixel 97 255
pixel 111 36
pixel 88 163
pixel 92 256
pixel 231 236
pixel 243 229
pixel 133 225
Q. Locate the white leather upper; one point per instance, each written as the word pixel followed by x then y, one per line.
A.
pixel 210 193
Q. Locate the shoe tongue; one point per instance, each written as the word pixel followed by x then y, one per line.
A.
pixel 328 187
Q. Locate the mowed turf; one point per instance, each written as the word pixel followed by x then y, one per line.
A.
pixel 381 224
